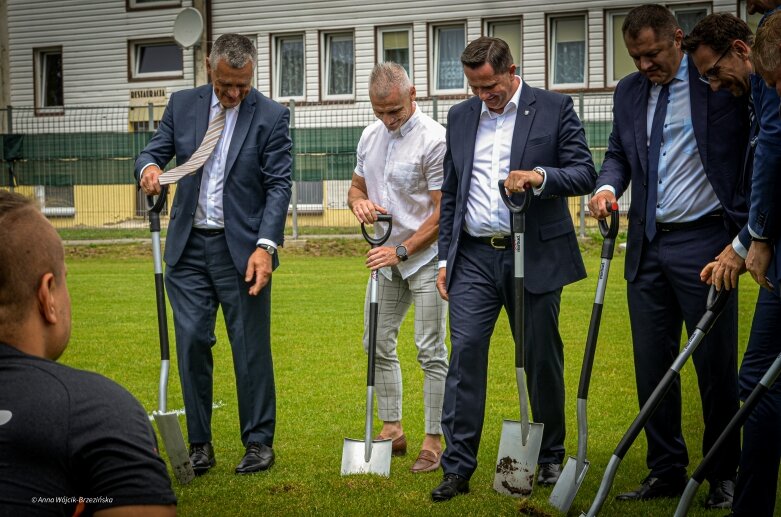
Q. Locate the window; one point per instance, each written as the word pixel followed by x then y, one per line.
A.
pixel 751 19
pixel 155 59
pixel 567 51
pixel 137 5
pixel 689 15
pixel 448 74
pixel 55 201
pixel 395 44
pixel 48 80
pixel 619 62
pixel 289 67
pixel 510 32
pixel 339 66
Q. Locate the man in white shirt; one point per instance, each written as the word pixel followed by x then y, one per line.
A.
pixel 399 172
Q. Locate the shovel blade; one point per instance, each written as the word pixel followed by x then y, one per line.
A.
pixel 173 441
pixel 354 458
pixel 567 486
pixel 516 463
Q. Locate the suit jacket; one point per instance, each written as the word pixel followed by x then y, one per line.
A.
pixel 547 134
pixel 720 123
pixel 256 193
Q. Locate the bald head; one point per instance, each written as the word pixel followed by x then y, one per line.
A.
pixel 33 293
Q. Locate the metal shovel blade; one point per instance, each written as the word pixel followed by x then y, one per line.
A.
pixel 567 486
pixel 173 441
pixel 354 457
pixel 516 463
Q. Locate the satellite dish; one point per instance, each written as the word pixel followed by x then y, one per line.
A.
pixel 188 27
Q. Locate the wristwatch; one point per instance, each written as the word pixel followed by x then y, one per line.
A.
pixel 268 247
pixel 401 252
pixel 541 172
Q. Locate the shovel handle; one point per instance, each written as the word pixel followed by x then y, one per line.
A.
pixel 516 209
pixel 378 241
pixel 156 203
pixel 609 231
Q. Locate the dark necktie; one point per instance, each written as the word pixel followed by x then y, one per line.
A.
pixel 654 147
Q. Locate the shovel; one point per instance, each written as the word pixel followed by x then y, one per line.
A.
pixel 716 302
pixel 167 423
pixel 575 468
pixel 370 456
pixel 519 446
pixel 765 383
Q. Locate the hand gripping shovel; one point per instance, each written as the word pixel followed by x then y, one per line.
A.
pixel 520 443
pixel 369 456
pixel 575 469
pixel 765 383
pixel 716 302
pixel 167 423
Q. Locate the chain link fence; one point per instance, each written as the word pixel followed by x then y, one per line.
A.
pixel 77 162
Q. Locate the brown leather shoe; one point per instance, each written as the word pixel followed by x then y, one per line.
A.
pixel 427 461
pixel 399 445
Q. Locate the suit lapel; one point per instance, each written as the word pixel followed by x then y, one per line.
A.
pixel 246 113
pixel 698 99
pixel 202 116
pixel 641 121
pixel 471 122
pixel 523 123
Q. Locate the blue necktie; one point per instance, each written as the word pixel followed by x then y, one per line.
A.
pixel 654 148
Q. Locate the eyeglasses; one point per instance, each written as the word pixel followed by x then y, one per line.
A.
pixel 713 72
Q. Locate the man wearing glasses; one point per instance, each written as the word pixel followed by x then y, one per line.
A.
pixel 729 38
pixel 675 140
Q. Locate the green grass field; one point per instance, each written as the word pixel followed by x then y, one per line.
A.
pixel 320 372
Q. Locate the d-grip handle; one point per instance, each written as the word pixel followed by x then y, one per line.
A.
pixel 717 300
pixel 378 241
pixel 156 205
pixel 516 209
pixel 610 231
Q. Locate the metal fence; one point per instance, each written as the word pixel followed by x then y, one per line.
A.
pixel 77 162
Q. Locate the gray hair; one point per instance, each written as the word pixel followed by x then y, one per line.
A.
pixel 235 49
pixel 387 76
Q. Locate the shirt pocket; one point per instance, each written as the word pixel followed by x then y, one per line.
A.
pixel 406 175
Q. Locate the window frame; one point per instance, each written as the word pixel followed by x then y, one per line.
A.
pixel 743 15
pixel 489 22
pixel 134 5
pixel 610 45
pixel 434 62
pixel 690 6
pixel 275 75
pixel 39 81
pixel 380 30
pixel 325 54
pixel 550 62
pixel 132 56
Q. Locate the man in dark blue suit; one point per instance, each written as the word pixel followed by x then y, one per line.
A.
pixel 525 136
pixel 226 222
pixel 682 146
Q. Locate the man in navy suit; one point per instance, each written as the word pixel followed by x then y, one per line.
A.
pixel 682 146
pixel 525 136
pixel 226 222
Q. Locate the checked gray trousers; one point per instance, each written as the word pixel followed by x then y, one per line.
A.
pixel 394 299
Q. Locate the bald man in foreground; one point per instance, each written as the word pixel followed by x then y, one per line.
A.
pixel 71 442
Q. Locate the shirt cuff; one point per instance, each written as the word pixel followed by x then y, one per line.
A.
pixel 755 234
pixel 141 174
pixel 538 190
pixel 441 264
pixel 266 241
pixel 606 187
pixel 739 248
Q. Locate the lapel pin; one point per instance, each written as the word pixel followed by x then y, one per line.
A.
pixel 525 112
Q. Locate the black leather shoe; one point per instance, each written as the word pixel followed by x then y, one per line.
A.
pixel 720 495
pixel 258 457
pixel 653 488
pixel 548 473
pixel 451 486
pixel 202 457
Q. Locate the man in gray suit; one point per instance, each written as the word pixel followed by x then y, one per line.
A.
pixel 525 136
pixel 227 220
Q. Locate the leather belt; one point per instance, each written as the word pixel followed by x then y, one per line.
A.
pixel 209 231
pixel 712 218
pixel 497 242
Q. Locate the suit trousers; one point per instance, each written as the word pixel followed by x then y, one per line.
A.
pixel 666 293
pixel 394 299
pixel 202 280
pixel 481 284
pixel 757 487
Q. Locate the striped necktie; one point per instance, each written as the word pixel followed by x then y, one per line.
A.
pixel 199 157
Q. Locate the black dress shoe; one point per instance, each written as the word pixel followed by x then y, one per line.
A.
pixel 451 486
pixel 202 457
pixel 258 457
pixel 653 488
pixel 548 473
pixel 720 495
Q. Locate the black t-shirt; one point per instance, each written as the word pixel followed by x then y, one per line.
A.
pixel 67 434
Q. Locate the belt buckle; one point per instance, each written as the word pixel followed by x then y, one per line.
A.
pixel 499 242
